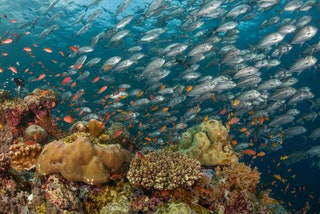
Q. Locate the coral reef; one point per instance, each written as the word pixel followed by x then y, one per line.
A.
pixel 85 162
pixel 163 170
pixel 208 143
pixel 41 102
pixel 23 156
pixel 160 182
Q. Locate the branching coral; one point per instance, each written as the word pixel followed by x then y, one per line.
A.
pixel 163 170
pixel 23 156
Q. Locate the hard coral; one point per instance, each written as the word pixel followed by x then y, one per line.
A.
pixel 163 170
pixel 83 161
pixel 208 143
pixel 23 156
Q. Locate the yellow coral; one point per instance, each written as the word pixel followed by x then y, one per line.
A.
pixel 208 143
pixel 41 209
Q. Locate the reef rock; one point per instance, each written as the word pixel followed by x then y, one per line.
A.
pixel 208 143
pixel 81 160
pixel 36 133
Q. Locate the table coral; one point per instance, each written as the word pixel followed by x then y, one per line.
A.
pixel 23 156
pixel 83 161
pixel 208 143
pixel 163 170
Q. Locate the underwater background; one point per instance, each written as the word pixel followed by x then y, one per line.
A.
pixel 163 81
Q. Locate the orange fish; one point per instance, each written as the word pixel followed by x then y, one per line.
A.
pixel 235 103
pixel 96 79
pixel 66 80
pixel 162 129
pixel 27 49
pixel 41 76
pixel 13 69
pixel 249 152
pixel 74 48
pixel 140 93
pixel 48 50
pixel 261 154
pixel 61 53
pixel 140 156
pixel 261 119
pixel 107 67
pixel 6 41
pixel 4 54
pixel 223 111
pixel 243 129
pixel 234 120
pixel 188 88
pixel 68 119
pixel 163 86
pixel 13 20
pixel 148 139
pixel 102 89
pixel 164 109
pixel 117 133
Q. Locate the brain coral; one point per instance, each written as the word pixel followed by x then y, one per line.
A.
pixel 163 170
pixel 83 161
pixel 208 143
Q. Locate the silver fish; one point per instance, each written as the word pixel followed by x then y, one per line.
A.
pixel 303 64
pixel 283 93
pixel 269 84
pixel 305 34
pixel 271 39
pixel 281 120
pixel 200 49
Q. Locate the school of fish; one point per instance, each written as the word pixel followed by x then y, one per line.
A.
pixel 162 66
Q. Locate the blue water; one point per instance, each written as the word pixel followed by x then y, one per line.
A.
pixel 301 177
